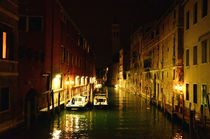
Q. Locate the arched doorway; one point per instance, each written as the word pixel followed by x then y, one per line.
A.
pixel 30 107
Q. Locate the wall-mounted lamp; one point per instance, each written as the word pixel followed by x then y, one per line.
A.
pixel 58 76
pixel 67 81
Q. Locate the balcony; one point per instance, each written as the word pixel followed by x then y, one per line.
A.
pixel 8 68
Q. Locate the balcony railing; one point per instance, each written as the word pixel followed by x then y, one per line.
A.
pixel 8 67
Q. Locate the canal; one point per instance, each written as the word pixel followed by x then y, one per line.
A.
pixel 129 116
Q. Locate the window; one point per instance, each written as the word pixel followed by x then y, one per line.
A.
pixel 204 94
pixel 67 57
pixel 187 91
pixel 22 23
pixel 174 45
pixel 35 24
pixel 3 45
pixel 187 20
pixel 4 99
pixel 195 12
pixel 174 74
pixel 204 8
pixel 195 55
pixel 62 54
pixel 162 75
pixel 195 93
pixel 187 57
pixel 204 51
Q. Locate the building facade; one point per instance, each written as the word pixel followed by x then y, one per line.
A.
pixel 8 64
pixel 169 59
pixel 156 59
pixel 56 60
pixel 197 54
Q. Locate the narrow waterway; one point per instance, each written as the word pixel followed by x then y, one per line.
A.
pixel 129 116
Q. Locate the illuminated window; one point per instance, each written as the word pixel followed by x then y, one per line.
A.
pixel 204 7
pixel 4 99
pixel 195 12
pixel 204 51
pixel 187 91
pixel 195 93
pixel 204 94
pixel 187 57
pixel 3 45
pixel 195 55
pixel 4 49
pixel 187 20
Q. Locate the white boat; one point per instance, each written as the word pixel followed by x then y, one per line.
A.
pixel 77 103
pixel 100 100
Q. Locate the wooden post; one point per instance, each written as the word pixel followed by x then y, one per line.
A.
pixel 202 116
pixel 91 94
pixel 191 120
pixel 205 118
pixel 172 107
pixel 59 96
pixel 164 107
pixel 65 97
pixel 48 102
pixel 183 109
pixel 52 95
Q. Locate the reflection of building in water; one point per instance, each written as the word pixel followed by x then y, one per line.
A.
pixel 75 124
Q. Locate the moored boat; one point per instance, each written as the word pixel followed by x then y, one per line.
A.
pixel 100 101
pixel 77 103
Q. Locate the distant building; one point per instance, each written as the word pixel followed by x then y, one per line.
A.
pixel 9 97
pixel 115 54
pixel 197 54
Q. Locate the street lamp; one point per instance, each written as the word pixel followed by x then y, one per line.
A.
pixel 67 81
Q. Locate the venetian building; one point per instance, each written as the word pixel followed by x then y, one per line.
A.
pixel 9 97
pixel 197 54
pixel 135 61
pixel 161 57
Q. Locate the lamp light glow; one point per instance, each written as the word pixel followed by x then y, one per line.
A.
pixel 58 76
pixel 180 88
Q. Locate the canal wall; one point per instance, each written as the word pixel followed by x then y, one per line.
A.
pixel 187 116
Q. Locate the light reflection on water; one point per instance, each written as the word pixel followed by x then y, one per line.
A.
pixel 128 117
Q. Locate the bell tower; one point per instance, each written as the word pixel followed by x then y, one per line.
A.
pixel 115 37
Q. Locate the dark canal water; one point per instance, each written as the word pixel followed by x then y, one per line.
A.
pixel 129 116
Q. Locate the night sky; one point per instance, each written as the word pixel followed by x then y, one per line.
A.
pixel 95 18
